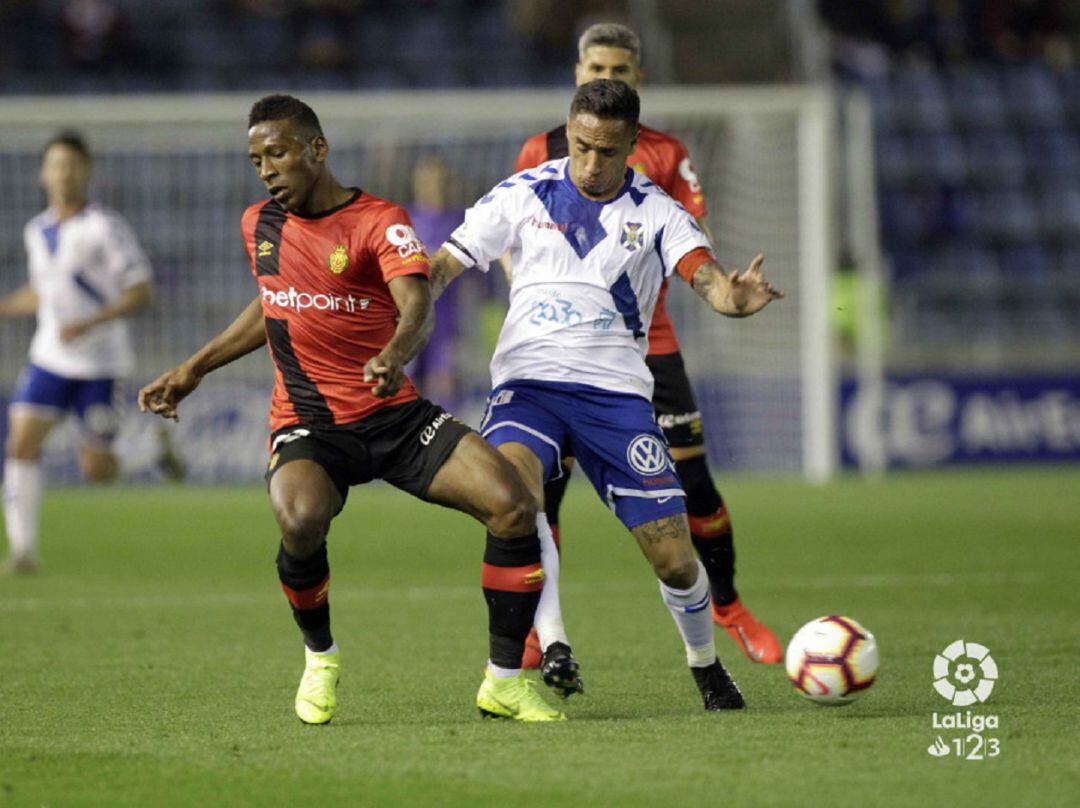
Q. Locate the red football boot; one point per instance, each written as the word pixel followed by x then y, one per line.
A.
pixel 755 638
pixel 534 655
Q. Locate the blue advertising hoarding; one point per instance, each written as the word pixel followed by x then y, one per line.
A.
pixel 935 420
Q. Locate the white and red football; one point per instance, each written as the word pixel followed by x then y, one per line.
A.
pixel 832 660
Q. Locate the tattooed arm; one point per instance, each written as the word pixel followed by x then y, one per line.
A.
pixel 735 294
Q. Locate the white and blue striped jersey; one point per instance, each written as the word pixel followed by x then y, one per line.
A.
pixel 77 267
pixel 586 274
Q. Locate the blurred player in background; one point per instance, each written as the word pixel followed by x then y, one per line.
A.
pixel 591 241
pixel 87 272
pixel 613 51
pixel 434 216
pixel 344 305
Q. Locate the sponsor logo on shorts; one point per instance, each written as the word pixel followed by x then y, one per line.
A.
pixel 646 455
pixel 668 421
pixel 300 301
pixel 288 437
pixel 428 435
pixel 654 482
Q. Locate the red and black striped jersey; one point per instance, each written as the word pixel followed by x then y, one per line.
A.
pixel 664 160
pixel 324 284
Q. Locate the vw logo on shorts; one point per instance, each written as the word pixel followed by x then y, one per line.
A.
pixel 646 455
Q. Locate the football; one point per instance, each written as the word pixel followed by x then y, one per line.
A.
pixel 832 660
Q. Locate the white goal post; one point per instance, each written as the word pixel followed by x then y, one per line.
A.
pixel 176 167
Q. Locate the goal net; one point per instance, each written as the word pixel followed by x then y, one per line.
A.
pixel 176 168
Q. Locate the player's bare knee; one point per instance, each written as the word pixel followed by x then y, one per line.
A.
pixel 98 466
pixel 100 471
pixel 513 510
pixel 304 523
pixel 21 447
pixel 676 571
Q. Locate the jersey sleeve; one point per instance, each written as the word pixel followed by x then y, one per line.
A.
pixel 532 154
pixel 683 185
pixel 681 237
pixel 125 257
pixel 396 247
pixel 487 231
pixel 247 234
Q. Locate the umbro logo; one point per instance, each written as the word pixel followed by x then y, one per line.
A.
pixel 265 248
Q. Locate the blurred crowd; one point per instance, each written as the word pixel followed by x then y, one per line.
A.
pixel 136 45
pixel 871 37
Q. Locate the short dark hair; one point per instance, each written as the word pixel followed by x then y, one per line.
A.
pixel 70 138
pixel 607 98
pixel 609 35
pixel 282 108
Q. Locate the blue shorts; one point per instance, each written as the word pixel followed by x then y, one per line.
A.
pixel 49 396
pixel 613 436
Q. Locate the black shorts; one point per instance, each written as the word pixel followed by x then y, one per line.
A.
pixel 404 445
pixel 673 401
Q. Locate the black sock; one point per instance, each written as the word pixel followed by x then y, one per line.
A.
pixel 553 497
pixel 512 579
pixel 710 528
pixel 306 583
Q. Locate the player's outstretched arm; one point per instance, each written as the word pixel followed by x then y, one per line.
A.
pixel 735 294
pixel 20 303
pixel 246 333
pixel 416 319
pixel 130 301
pixel 444 268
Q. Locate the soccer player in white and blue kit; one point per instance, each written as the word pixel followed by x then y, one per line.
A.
pixel 590 241
pixel 87 272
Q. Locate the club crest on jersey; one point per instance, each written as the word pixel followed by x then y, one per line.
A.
pixel 338 260
pixel 265 248
pixel 632 236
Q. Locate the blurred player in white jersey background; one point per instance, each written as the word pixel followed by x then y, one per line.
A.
pixel 87 272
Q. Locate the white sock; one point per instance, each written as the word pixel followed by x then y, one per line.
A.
pixel 690 609
pixel 23 484
pixel 333 649
pixel 548 620
pixel 502 673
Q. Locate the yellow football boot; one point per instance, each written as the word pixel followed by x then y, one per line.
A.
pixel 515 698
pixel 316 698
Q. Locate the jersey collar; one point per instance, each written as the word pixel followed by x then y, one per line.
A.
pixel 356 192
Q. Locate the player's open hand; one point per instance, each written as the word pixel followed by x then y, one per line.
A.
pixel 164 394
pixel 387 372
pixel 750 290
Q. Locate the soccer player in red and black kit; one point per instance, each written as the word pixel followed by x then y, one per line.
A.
pixel 613 51
pixel 344 305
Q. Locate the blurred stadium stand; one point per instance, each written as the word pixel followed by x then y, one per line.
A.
pixel 978 161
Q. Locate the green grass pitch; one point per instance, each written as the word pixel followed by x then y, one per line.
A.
pixel 154 661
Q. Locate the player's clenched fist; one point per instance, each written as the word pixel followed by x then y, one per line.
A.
pixel 387 372
pixel 162 395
